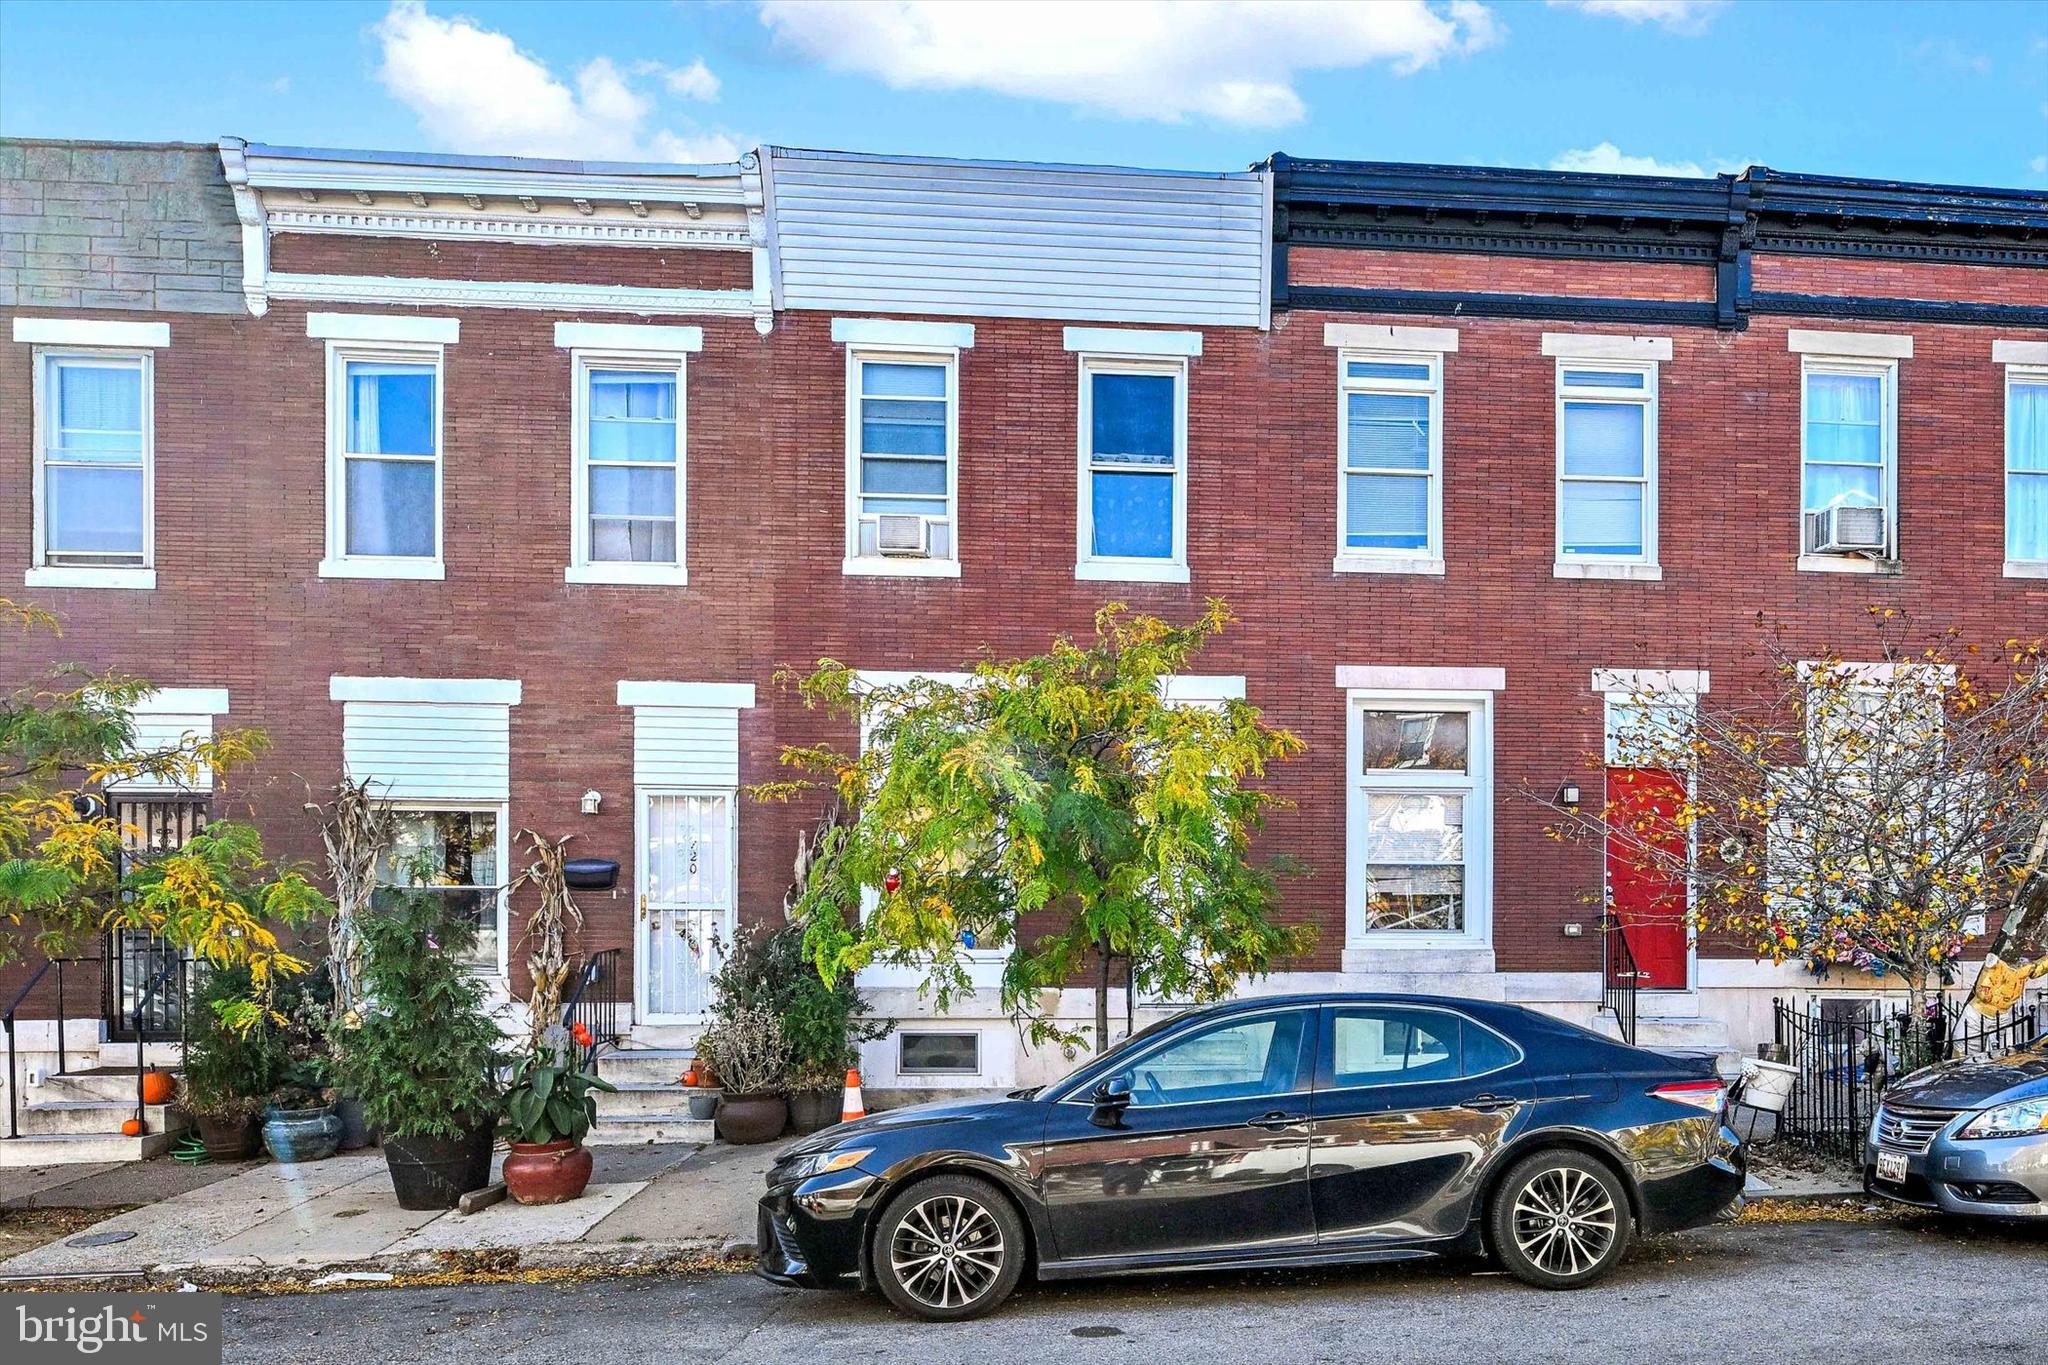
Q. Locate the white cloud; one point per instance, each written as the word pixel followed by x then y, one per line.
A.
pixel 2040 165
pixel 281 86
pixel 475 90
pixel 693 82
pixel 1678 16
pixel 1947 54
pixel 1608 159
pixel 1229 61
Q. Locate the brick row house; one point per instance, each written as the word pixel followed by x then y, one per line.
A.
pixel 510 484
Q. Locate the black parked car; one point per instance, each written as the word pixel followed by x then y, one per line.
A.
pixel 1293 1130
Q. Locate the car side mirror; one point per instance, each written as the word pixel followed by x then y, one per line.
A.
pixel 1112 1096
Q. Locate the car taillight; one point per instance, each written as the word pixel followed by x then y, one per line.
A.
pixel 1707 1095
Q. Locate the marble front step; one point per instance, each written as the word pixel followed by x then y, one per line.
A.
pixel 1684 1033
pixel 645 1065
pixel 118 1055
pixel 103 1083
pixel 633 1099
pixel 638 1129
pixel 75 1149
pixel 58 1118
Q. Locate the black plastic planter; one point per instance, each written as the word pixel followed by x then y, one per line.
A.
pixel 434 1172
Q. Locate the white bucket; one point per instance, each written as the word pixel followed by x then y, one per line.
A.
pixel 1767 1085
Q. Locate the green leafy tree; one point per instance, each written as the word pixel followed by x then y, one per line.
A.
pixel 1059 805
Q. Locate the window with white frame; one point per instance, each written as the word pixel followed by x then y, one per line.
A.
pixel 1420 818
pixel 903 445
pixel 629 442
pixel 2026 465
pixel 1133 495
pixel 1390 457
pixel 1848 457
pixel 94 460
pixel 384 474
pixel 1606 462
pixel 458 855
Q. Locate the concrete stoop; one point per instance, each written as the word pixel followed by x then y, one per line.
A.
pixel 1679 1033
pixel 651 1104
pixel 75 1117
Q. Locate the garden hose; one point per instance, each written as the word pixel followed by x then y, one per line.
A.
pixel 190 1150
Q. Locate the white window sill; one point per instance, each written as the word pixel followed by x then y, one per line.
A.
pixel 1848 564
pixel 383 568
pixel 86 576
pixel 1625 573
pixel 906 567
pixel 628 575
pixel 1409 564
pixel 2026 568
pixel 1395 951
pixel 1129 571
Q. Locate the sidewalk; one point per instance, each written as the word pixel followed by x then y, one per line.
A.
pixel 259 1220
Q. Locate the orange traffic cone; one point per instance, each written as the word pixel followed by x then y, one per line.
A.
pixel 853 1107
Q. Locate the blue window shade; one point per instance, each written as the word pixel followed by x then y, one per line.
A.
pixel 99 411
pixel 2026 480
pixel 1133 515
pixel 1386 512
pixel 1604 439
pixel 1604 379
pixel 390 409
pixel 885 379
pixel 391 508
pixel 632 416
pixel 1387 430
pixel 891 426
pixel 94 511
pixel 1386 369
pixel 1603 518
pixel 1131 416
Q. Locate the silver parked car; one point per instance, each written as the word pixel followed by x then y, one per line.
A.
pixel 1968 1136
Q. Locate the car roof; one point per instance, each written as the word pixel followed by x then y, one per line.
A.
pixel 1253 1002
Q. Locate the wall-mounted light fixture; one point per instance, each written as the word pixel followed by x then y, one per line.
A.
pixel 1568 795
pixel 591 799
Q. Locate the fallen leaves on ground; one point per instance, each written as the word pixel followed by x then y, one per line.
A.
pixel 1816 1211
pixel 26 1229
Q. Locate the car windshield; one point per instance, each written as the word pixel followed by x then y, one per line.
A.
pixel 1115 1049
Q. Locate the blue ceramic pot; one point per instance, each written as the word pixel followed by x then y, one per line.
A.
pixel 301 1134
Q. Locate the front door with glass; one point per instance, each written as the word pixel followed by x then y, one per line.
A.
pixel 686 901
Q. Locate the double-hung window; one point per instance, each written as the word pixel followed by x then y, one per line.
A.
pixel 629 493
pixel 2026 469
pixel 1606 465
pixel 93 472
pixel 384 472
pixel 1133 493
pixel 458 856
pixel 1420 819
pixel 1848 477
pixel 1390 462
pixel 903 432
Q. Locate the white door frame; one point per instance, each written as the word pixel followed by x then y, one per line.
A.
pixel 643 915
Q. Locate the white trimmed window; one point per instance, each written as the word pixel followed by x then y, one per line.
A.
pixel 628 499
pixel 384 478
pixel 1420 819
pixel 94 469
pixel 1606 467
pixel 459 854
pixel 1848 477
pixel 1133 492
pixel 2026 469
pixel 902 462
pixel 1390 502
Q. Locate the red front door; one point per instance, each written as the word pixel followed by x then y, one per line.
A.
pixel 1648 899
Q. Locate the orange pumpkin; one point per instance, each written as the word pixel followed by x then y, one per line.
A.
pixel 158 1087
pixel 132 1128
pixel 690 1077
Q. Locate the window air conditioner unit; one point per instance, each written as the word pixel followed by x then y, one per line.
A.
pixel 901 535
pixel 1846 531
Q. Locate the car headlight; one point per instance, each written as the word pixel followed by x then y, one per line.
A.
pixel 825 1163
pixel 2024 1118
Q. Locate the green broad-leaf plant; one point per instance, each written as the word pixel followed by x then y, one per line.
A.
pixel 424 1060
pixel 550 1098
pixel 1060 806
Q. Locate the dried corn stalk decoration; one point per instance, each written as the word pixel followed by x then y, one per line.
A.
pixel 357 829
pixel 554 918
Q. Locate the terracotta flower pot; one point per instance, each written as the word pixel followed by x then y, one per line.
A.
pixel 752 1118
pixel 547 1172
pixel 228 1139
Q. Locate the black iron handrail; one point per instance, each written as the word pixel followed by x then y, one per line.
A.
pixel 1620 978
pixel 13 1071
pixel 179 963
pixel 595 1003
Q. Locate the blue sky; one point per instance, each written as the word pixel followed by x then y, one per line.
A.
pixel 1942 92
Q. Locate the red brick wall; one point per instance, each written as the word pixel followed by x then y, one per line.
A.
pixel 1364 269
pixel 240 490
pixel 648 267
pixel 1899 279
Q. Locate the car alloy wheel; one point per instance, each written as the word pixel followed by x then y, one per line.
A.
pixel 949 1248
pixel 1560 1220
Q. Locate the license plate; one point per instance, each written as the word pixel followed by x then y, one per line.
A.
pixel 1891 1167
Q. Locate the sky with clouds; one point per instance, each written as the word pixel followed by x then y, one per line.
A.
pixel 1942 92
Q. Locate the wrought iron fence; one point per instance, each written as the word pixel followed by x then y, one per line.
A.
pixel 1849 1049
pixel 1620 978
pixel 597 1002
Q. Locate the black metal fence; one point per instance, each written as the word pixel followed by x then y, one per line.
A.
pixel 1620 979
pixel 597 1002
pixel 1847 1050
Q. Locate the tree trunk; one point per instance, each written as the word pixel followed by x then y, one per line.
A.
pixel 1102 995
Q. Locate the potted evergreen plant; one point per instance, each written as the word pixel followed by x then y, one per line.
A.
pixel 423 1059
pixel 231 1063
pixel 547 1112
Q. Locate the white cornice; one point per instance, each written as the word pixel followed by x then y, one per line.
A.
pixel 275 168
pixel 598 298
pixel 592 231
pixel 234 165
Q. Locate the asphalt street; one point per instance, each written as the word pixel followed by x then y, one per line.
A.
pixel 1908 1289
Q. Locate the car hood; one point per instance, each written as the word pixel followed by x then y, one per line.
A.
pixel 897 1120
pixel 1977 1081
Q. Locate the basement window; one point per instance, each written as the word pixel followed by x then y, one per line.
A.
pixel 938 1054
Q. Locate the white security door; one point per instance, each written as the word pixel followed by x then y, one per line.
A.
pixel 686 901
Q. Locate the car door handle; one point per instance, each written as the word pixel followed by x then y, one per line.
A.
pixel 1490 1104
pixel 1276 1121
